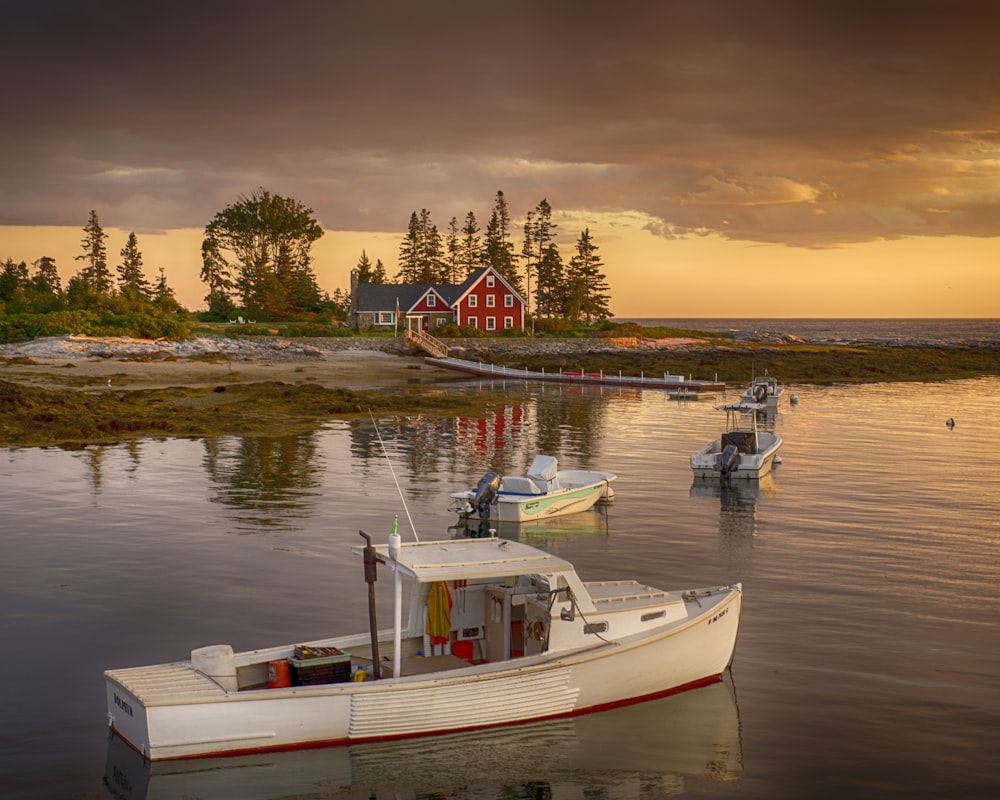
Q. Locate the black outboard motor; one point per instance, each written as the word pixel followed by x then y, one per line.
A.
pixel 729 459
pixel 485 494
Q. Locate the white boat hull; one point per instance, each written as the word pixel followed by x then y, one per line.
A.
pixel 693 734
pixel 519 500
pixel 707 462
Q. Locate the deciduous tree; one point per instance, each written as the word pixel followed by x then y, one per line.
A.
pixel 265 241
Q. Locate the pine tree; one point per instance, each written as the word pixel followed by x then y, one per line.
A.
pixel 552 295
pixel 46 277
pixel 588 288
pixel 163 295
pixel 409 252
pixel 471 255
pixel 539 233
pixel 499 251
pixel 454 247
pixel 94 273
pixel 131 280
pixel 217 273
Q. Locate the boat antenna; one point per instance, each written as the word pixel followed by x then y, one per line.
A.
pixel 386 454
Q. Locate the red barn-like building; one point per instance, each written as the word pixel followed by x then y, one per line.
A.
pixel 484 301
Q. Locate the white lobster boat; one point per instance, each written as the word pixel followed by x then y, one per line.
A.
pixel 743 451
pixel 764 390
pixel 545 492
pixel 525 639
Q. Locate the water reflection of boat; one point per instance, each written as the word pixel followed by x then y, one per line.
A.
pixel 735 494
pixel 593 522
pixel 662 743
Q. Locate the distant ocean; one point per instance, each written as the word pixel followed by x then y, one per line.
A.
pixel 960 332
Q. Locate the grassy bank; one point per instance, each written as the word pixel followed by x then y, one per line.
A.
pixel 34 417
pixel 814 364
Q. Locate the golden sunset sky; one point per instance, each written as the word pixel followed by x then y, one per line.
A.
pixel 731 159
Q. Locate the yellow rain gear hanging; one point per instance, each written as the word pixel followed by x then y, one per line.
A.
pixel 439 613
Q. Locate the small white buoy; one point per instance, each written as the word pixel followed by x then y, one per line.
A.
pixel 794 399
pixel 950 423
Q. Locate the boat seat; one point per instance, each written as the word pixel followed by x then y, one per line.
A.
pixel 519 485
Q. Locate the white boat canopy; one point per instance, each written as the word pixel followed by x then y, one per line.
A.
pixel 469 559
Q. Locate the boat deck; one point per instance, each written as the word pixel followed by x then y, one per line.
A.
pixel 618 595
pixel 166 684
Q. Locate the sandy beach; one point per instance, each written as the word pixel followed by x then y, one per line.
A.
pixel 77 362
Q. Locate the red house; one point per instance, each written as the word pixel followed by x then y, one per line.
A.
pixel 484 301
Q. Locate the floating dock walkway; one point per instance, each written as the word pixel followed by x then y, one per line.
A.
pixel 677 386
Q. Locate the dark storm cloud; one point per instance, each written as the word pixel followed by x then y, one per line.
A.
pixel 808 123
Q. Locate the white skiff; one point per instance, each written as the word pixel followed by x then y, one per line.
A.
pixel 545 492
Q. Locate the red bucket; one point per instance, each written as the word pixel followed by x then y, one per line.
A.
pixel 277 674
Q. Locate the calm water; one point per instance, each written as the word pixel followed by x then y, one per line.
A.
pixel 868 663
pixel 969 332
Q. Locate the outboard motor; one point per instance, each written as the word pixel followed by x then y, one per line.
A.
pixel 760 393
pixel 485 493
pixel 729 459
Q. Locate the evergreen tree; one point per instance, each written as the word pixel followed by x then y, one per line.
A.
pixel 499 250
pixel 46 277
pixel 216 272
pixel 15 294
pixel 539 233
pixel 454 251
pixel 379 274
pixel 163 295
pixel 131 280
pixel 95 273
pixel 409 252
pixel 552 295
pixel 421 253
pixel 365 269
pixel 471 255
pixel 433 267
pixel 588 288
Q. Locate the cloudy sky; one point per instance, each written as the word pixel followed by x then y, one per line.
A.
pixel 773 158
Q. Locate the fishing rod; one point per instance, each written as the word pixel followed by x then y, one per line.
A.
pixel 386 454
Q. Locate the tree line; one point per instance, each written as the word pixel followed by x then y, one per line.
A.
pixel 575 290
pixel 257 258
pixel 94 287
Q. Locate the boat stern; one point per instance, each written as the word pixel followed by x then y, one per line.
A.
pixel 127 715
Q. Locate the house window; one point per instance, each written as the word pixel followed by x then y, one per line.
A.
pixel 508 323
pixel 440 321
pixel 491 323
pixel 472 322
pixel 473 300
pixel 431 300
pixel 508 301
pixel 385 318
pixel 491 300
pixel 491 281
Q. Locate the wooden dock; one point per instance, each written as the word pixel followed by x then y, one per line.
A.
pixel 677 386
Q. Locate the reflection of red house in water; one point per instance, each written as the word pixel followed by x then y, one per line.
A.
pixel 484 300
pixel 486 436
